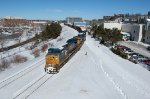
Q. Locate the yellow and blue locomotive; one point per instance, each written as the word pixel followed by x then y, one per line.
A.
pixel 57 57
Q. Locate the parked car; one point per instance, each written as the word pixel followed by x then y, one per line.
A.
pixel 128 51
pixel 120 47
pixel 147 66
pixel 147 61
pixel 141 59
pixel 132 55
pixel 133 59
pixel 148 48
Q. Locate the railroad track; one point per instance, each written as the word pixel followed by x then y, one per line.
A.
pixel 19 74
pixel 32 87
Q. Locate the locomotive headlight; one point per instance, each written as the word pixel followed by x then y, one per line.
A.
pixel 55 58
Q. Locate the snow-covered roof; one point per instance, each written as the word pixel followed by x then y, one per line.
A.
pixel 148 19
pixel 12 17
pixel 40 22
pixel 126 33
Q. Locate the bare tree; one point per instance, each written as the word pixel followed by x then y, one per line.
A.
pixel 2 41
pixel 19 39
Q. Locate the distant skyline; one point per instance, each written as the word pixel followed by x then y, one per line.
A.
pixel 60 9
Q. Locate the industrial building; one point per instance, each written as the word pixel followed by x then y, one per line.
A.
pixel 71 20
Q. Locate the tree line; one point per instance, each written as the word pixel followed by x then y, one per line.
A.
pixel 106 35
pixel 51 31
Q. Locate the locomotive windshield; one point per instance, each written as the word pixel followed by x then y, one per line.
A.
pixel 54 50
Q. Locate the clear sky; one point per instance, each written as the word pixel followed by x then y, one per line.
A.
pixel 60 9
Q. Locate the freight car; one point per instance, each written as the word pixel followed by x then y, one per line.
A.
pixel 57 57
pixel 75 27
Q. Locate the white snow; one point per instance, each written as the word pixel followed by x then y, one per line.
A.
pixel 98 75
pixel 27 33
pixel 148 19
pixel 66 34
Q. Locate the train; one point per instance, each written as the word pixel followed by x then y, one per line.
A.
pixel 57 57
pixel 75 27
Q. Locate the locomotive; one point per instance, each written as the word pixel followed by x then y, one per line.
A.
pixel 57 57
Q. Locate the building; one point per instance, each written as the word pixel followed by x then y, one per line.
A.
pixel 98 22
pixel 135 31
pixel 113 17
pixel 112 25
pixel 107 18
pixel 10 21
pixel 135 27
pixel 71 20
pixel 0 22
pixel 147 32
pixel 82 25
pixel 39 22
pixel 126 36
pixel 147 24
pixel 148 14
pixel 13 21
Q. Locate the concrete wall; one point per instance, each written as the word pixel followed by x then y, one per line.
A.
pixel 147 33
pixel 147 37
pixel 113 25
pixel 135 31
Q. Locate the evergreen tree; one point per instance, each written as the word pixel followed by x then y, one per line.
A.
pixel 51 31
pixel 113 35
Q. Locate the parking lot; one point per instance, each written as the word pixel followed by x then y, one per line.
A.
pixel 136 47
pixel 137 54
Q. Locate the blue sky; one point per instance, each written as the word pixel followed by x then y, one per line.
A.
pixel 60 9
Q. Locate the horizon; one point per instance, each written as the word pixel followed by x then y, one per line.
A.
pixel 60 9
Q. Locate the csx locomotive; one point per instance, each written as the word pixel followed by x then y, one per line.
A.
pixel 57 57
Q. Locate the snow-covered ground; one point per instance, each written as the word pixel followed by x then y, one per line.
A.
pixel 23 74
pixel 26 34
pixel 98 75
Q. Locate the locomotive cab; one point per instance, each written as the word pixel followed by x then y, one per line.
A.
pixel 52 60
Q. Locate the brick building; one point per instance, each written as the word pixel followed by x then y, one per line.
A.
pixel 13 21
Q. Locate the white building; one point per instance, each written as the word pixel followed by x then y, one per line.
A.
pixel 135 30
pixel 111 25
pixel 71 20
pixel 40 22
pixel 126 36
pixel 147 32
